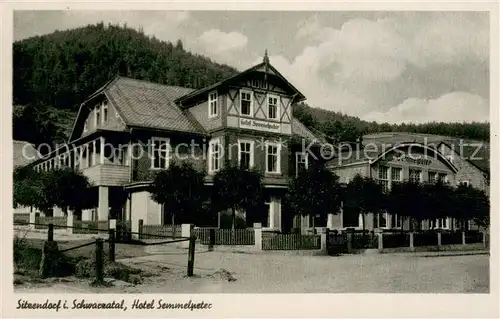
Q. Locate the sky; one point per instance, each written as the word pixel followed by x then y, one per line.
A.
pixel 380 66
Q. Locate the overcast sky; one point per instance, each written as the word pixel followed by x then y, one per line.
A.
pixel 382 66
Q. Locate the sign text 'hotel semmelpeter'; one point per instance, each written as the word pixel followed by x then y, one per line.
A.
pixel 260 125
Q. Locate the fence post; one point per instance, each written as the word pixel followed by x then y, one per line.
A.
pixel 211 233
pixel 463 238
pixel 33 219
pixel 186 230
pixel 51 232
pixel 99 261
pixel 412 245
pixel 70 222
pixel 141 228
pixel 350 237
pixel 190 268
pixel 324 240
pixel 111 247
pixel 439 239
pixel 257 228
pixel 380 241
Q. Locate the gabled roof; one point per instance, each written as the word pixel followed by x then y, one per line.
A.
pixel 151 105
pixel 478 154
pixel 302 131
pixel 146 105
pixel 264 65
pixel 24 153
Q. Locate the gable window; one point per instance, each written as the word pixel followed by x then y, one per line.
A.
pixel 383 177
pixel 245 154
pixel 272 107
pixel 396 175
pixel 97 116
pixel 273 158
pixel 104 112
pixel 415 176
pixel 159 152
pixel 215 150
pixel 212 105
pixel 301 163
pixel 246 102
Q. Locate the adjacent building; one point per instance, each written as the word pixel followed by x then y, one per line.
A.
pixel 129 129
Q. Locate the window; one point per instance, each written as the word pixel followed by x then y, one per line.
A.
pixel 122 155
pixel 104 112
pixel 380 220
pixel 432 177
pixel 442 178
pixel 383 177
pixel 396 221
pixel 246 103
pixel 440 223
pixel 85 125
pixel 465 183
pixel 301 162
pixel 97 116
pixel 214 156
pixel 159 159
pixel 245 154
pixel 212 105
pixel 272 107
pixel 272 158
pixel 415 176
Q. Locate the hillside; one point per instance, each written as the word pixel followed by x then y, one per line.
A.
pixel 54 73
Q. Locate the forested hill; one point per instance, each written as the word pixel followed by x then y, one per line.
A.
pixel 54 73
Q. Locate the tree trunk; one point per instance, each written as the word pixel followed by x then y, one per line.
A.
pixel 363 220
pixel 233 226
pixel 233 215
pixel 173 225
pixel 314 224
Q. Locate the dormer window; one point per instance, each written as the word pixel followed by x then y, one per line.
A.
pixel 97 116
pixel 104 112
pixel 212 104
pixel 246 103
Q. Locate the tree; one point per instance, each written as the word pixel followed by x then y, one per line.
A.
pixel 179 189
pixel 437 201
pixel 406 199
pixel 364 195
pixel 236 189
pixel 470 203
pixel 66 189
pixel 29 188
pixel 315 191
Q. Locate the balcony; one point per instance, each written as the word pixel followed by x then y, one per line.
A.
pixel 107 174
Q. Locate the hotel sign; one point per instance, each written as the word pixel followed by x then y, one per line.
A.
pixel 260 125
pixel 418 160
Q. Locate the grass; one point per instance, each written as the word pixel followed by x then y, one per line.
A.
pixel 79 262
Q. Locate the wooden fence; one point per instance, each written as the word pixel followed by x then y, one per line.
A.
pixel 274 241
pixel 42 222
pixel 225 236
pixel 22 218
pixel 90 226
pixel 160 230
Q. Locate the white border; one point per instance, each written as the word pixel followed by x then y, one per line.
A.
pixel 262 305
